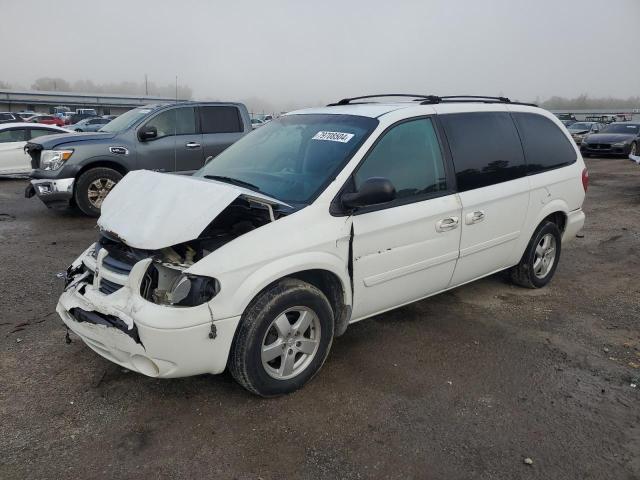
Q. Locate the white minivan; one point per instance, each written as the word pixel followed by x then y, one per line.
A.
pixel 322 218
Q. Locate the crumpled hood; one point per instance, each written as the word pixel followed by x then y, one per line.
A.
pixel 151 210
pixel 609 137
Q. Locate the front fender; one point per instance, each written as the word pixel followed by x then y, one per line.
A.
pixel 235 302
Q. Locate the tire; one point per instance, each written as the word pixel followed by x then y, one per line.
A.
pixel 92 180
pixel 530 274
pixel 284 301
pixel 634 149
pixel 78 130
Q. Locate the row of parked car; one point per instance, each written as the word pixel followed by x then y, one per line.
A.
pixel 83 120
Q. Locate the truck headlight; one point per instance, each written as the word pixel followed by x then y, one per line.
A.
pixel 54 159
pixel 188 291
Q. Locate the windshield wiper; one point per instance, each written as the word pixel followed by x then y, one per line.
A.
pixel 233 181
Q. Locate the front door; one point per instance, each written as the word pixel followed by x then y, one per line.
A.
pixel 407 249
pixel 178 146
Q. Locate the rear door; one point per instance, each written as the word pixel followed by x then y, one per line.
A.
pixel 406 249
pixel 493 187
pixel 221 126
pixel 178 146
pixel 12 157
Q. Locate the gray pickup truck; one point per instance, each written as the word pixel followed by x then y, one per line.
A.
pixel 80 169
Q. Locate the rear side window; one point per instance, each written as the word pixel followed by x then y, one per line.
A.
pixel 545 145
pixel 220 119
pixel 409 156
pixel 15 135
pixel 485 148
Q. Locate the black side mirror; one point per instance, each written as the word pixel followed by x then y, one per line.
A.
pixel 373 191
pixel 147 133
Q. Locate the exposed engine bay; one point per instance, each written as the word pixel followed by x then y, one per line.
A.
pixel 165 282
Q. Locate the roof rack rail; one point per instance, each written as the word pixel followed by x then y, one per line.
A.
pixel 347 101
pixel 470 99
pixel 434 99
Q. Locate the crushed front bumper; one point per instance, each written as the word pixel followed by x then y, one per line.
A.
pixel 53 192
pixel 157 341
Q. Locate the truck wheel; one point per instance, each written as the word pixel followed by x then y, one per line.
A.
pixel 283 338
pixel 92 187
pixel 540 259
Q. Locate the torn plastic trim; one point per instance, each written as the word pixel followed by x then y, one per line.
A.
pixel 95 318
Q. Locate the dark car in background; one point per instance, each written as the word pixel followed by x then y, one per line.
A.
pixel 579 130
pixel 82 168
pixel 9 117
pixel 620 138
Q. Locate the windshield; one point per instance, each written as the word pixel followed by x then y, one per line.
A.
pixel 127 119
pixel 294 157
pixel 630 129
pixel 580 126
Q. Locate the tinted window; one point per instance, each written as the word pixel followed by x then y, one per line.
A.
pixel 39 132
pixel 16 135
pixel 408 155
pixel 6 116
pixel 545 145
pixel 177 121
pixel 220 120
pixel 485 147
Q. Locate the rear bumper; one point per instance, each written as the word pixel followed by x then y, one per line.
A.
pixel 575 222
pixel 52 192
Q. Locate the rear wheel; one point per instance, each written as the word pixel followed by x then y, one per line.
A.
pixel 540 259
pixel 283 338
pixel 92 188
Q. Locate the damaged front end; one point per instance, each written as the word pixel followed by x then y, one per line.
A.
pixel 133 304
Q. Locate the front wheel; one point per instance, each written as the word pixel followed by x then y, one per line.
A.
pixel 92 188
pixel 634 149
pixel 540 259
pixel 283 338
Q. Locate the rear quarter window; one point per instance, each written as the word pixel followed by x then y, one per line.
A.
pixel 545 146
pixel 220 119
pixel 485 148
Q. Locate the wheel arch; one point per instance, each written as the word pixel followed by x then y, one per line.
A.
pixel 323 270
pixel 555 211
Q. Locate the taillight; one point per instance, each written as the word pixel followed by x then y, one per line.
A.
pixel 585 179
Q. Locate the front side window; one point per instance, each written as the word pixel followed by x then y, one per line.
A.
pixel 485 148
pixel 15 135
pixel 220 119
pixel 409 156
pixel 40 132
pixel 545 145
pixel 294 157
pixel 177 121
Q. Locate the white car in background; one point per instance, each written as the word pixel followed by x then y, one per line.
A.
pixel 13 138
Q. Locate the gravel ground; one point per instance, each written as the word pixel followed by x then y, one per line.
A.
pixel 464 385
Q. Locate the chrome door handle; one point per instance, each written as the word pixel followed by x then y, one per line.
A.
pixel 192 145
pixel 474 217
pixel 446 224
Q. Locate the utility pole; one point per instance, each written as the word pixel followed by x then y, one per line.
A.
pixel 146 86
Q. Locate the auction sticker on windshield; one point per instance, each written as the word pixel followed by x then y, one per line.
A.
pixel 333 136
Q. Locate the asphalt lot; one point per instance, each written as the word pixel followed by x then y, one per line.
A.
pixel 463 385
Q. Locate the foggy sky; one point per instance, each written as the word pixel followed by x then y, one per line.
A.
pixel 294 53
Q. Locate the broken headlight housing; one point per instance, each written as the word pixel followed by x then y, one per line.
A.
pixel 188 291
pixel 54 159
